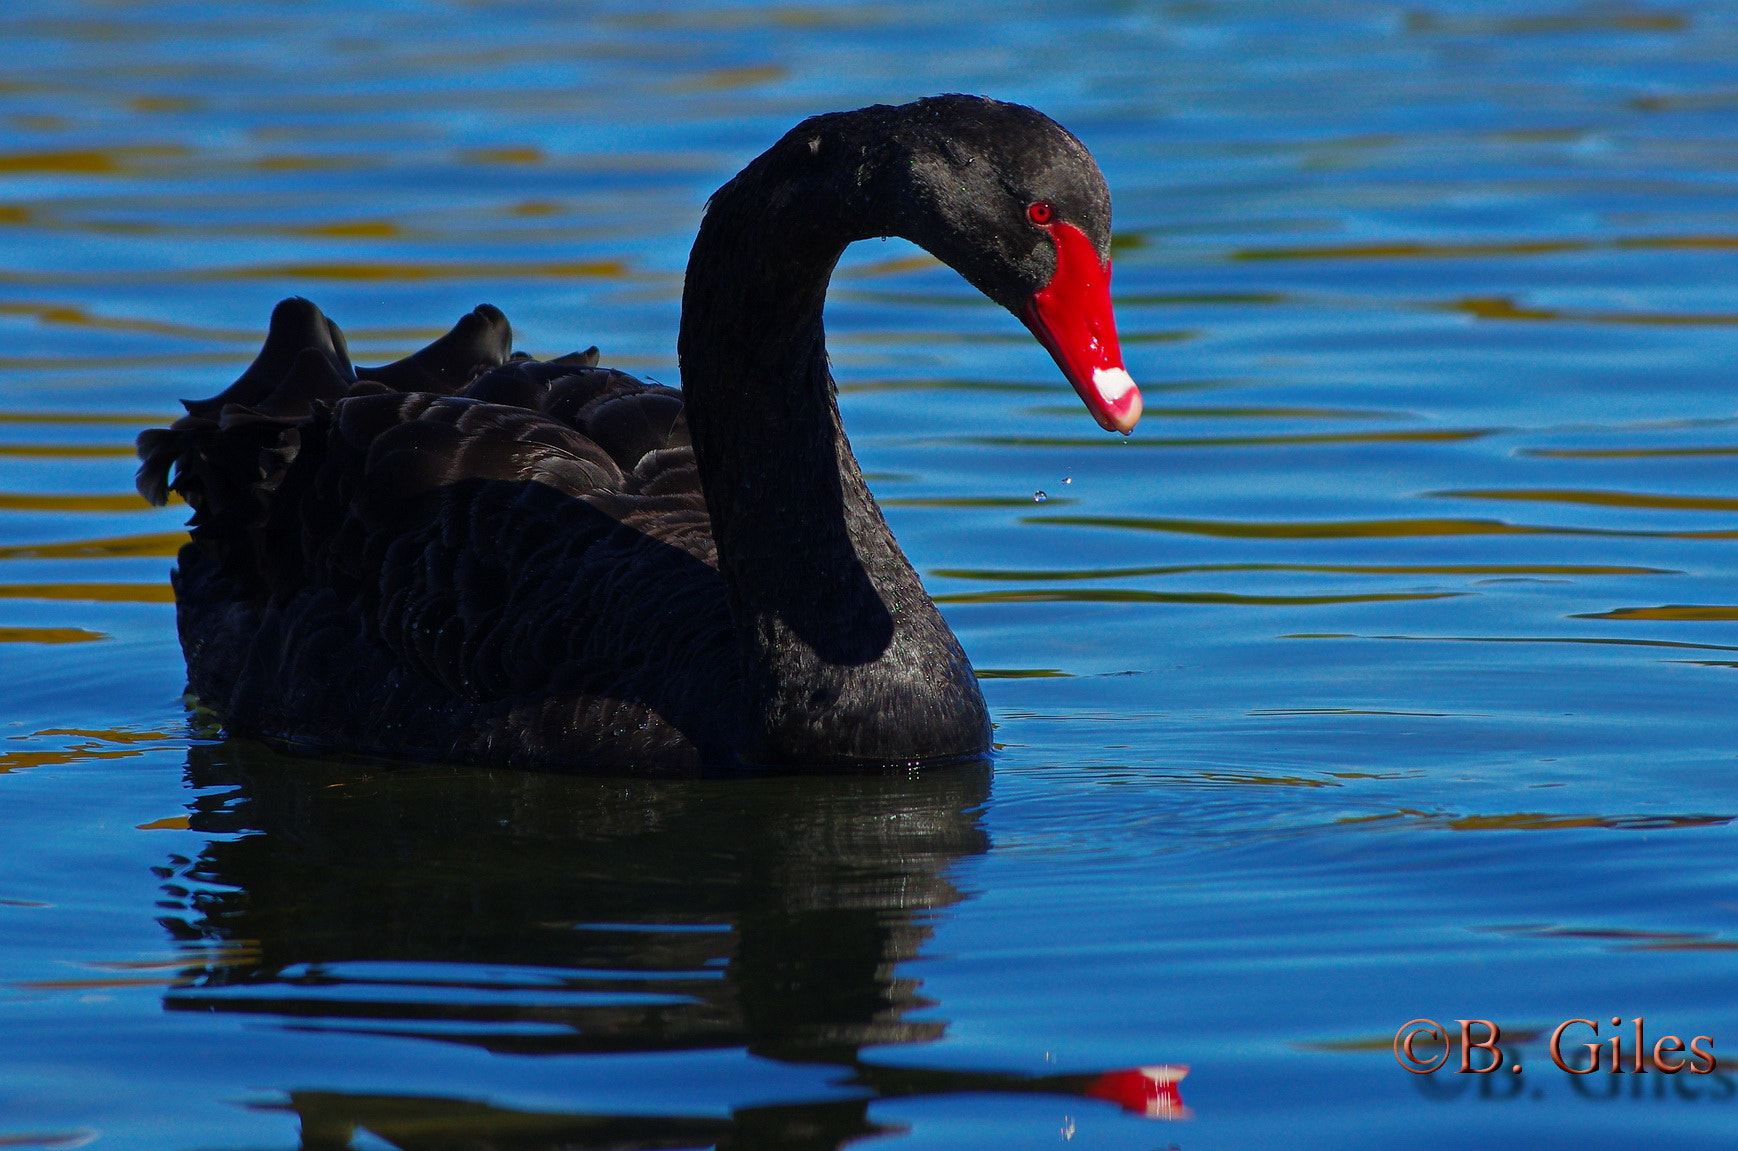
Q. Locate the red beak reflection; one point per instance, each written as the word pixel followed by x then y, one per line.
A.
pixel 1149 1091
pixel 1072 317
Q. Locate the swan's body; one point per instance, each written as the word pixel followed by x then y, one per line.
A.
pixel 472 556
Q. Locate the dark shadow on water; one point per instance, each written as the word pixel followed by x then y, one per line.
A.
pixel 764 913
pixel 331 1121
pixel 544 915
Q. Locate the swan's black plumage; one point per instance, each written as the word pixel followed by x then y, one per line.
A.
pixel 472 555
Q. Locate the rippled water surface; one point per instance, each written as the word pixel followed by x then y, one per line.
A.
pixel 1385 672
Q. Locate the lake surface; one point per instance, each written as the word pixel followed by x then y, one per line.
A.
pixel 1385 673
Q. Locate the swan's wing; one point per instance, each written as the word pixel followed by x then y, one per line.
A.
pixel 491 547
pixel 539 535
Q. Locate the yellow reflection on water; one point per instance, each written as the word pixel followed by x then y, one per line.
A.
pixel 90 161
pixel 153 544
pixel 1536 821
pixel 233 953
pixel 61 314
pixel 388 271
pixel 108 734
pixel 1625 453
pixel 1540 821
pixel 58 502
pixel 1599 498
pixel 91 592
pixel 1259 780
pixel 1520 639
pixel 536 208
pixel 138 359
pixel 1356 529
pixel 1319 530
pixel 49 635
pixel 970 501
pixel 64 450
pixel 1130 595
pixel 92 984
pixel 507 154
pixel 92 744
pixel 1505 308
pixel 891 266
pixel 164 103
pixel 128 419
pixel 1350 711
pixel 1412 250
pixel 1668 612
pixel 73 315
pixel 353 230
pixel 1421 250
pixel 23 760
pixel 1010 575
pixel 731 79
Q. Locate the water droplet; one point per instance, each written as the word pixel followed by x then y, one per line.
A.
pixel 1039 497
pixel 1067 479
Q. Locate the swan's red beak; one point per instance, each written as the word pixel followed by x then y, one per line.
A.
pixel 1071 316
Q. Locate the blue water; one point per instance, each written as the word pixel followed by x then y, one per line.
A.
pixel 1384 673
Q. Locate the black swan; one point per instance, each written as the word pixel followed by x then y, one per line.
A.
pixel 472 555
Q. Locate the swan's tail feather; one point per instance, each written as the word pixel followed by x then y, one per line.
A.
pixel 585 359
pixel 227 456
pixel 158 449
pixel 304 361
pixel 312 379
pixel 297 326
pixel 482 339
pixel 207 452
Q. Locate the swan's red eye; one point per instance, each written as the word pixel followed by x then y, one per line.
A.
pixel 1041 212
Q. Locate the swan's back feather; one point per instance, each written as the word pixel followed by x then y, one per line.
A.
pixel 465 554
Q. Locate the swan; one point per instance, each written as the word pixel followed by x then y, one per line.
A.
pixel 475 556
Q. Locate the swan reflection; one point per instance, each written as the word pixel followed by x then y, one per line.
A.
pixel 557 914
pixel 548 915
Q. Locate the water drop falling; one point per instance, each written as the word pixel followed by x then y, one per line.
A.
pixel 1039 496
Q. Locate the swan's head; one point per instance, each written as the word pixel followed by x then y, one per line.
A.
pixel 1012 201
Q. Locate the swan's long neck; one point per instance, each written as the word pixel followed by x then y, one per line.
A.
pixel 845 658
